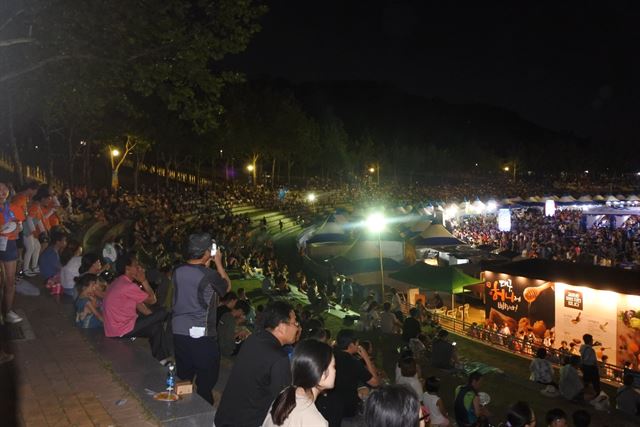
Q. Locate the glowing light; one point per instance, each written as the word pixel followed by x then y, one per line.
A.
pixel 506 168
pixel 250 168
pixel 376 222
pixel 372 170
pixel 504 220
pixel 586 171
pixel 311 197
pixel 115 152
pixel 450 211
pixel 492 205
pixel 549 208
pixel 83 143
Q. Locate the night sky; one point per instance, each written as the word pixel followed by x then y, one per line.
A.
pixel 560 64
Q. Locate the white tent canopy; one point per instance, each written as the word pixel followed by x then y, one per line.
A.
pixel 567 199
pixel 585 198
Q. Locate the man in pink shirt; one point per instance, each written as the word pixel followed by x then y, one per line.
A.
pixel 129 295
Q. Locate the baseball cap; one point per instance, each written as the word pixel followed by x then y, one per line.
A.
pixel 198 244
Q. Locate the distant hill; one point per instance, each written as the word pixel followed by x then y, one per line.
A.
pixel 389 113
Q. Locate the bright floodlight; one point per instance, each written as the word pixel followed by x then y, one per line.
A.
pixel 492 206
pixel 376 222
pixel 371 170
pixel 506 168
pixel 250 168
pixel 115 152
pixel 311 197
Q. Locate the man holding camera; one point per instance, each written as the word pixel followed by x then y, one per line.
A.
pixel 197 289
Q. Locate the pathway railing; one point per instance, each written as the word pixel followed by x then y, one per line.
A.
pixel 523 347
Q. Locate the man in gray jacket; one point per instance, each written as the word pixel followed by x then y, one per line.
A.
pixel 197 289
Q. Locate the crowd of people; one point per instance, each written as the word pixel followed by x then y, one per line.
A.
pixel 167 281
pixel 562 237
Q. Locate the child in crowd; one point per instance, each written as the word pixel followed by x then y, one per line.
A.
pixel 435 405
pixel 88 313
pixel 409 376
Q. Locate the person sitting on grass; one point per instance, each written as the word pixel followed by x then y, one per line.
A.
pixel 542 371
pixel 434 404
pixel 443 353
pixel 88 312
pixel 467 407
pixel 627 398
pixel 571 386
pixel 393 406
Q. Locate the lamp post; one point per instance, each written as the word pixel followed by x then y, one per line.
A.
pixel 311 198
pixel 376 223
pixel 252 170
pixel 113 153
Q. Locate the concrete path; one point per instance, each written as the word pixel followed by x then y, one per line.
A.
pixel 60 379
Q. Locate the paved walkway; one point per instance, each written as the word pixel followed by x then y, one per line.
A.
pixel 60 379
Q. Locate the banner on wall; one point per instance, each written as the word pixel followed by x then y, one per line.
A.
pixel 524 305
pixel 628 333
pixel 581 310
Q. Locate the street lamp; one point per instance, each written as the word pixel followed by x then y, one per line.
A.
pixel 115 152
pixel 311 197
pixel 376 223
pixel 506 168
pixel 250 168
pixel 372 170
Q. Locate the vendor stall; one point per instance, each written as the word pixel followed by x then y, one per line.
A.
pixel 563 301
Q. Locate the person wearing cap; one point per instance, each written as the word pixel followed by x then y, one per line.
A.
pixel 197 291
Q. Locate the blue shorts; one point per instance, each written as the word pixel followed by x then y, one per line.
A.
pixel 11 253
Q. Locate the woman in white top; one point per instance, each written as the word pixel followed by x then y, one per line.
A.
pixel 313 370
pixel 409 375
pixel 439 416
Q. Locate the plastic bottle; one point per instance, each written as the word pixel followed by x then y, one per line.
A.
pixel 171 378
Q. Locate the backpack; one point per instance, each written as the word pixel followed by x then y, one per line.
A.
pixel 460 411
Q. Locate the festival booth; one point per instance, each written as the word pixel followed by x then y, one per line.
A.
pixel 564 301
pixel 447 280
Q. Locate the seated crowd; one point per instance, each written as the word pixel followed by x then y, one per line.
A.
pixel 287 371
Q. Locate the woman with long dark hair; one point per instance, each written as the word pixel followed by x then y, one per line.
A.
pixel 313 370
pixel 393 406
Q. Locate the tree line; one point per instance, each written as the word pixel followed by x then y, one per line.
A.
pixel 146 80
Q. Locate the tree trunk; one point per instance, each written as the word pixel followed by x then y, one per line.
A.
pixel 139 159
pixel 289 165
pixel 157 173
pixel 273 172
pixel 198 163
pixel 15 154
